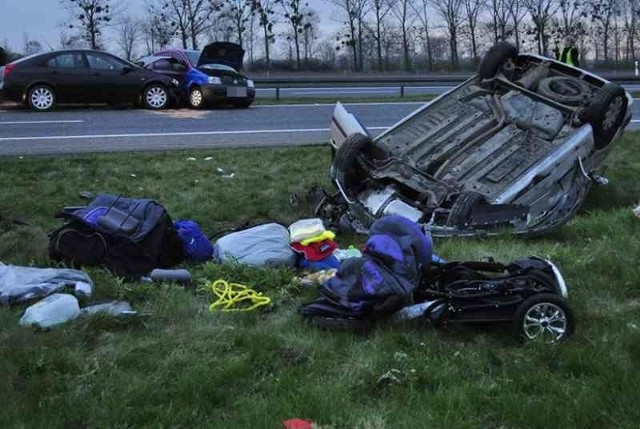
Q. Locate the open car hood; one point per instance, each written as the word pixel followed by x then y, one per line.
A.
pixel 227 53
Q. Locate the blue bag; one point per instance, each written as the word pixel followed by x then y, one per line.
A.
pixel 197 246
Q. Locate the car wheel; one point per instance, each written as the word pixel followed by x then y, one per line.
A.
pixel 462 207
pixel 566 90
pixel 196 98
pixel 155 97
pixel 41 98
pixel 495 58
pixel 606 113
pixel 544 317
pixel 344 163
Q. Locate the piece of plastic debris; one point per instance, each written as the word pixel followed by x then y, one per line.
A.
pixel 191 158
pixel 351 252
pixel 111 308
pixel 298 424
pixel 219 170
pixel 636 211
pixel 53 310
pixel 133 175
pixel 228 176
pixel 209 158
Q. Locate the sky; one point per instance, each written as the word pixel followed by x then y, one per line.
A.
pixel 43 20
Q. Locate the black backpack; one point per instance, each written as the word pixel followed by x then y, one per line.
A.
pixel 130 237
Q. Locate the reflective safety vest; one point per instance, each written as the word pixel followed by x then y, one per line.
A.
pixel 566 56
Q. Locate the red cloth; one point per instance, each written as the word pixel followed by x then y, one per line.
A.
pixel 315 251
pixel 297 424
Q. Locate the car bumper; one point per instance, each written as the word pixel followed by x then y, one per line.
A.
pixel 222 93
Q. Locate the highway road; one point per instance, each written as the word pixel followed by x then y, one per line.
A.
pixel 72 130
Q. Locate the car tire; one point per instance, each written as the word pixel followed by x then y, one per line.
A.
pixel 462 207
pixel 155 97
pixel 549 87
pixel 196 98
pixel 344 168
pixel 495 58
pixel 531 320
pixel 606 113
pixel 41 98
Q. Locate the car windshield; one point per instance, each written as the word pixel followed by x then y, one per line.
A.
pixel 194 56
pixel 218 67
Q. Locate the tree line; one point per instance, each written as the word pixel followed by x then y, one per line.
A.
pixel 363 35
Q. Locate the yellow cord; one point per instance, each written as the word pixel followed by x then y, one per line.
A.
pixel 231 294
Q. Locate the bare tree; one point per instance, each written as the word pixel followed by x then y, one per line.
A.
pixel 451 12
pixel 90 17
pixel 602 14
pixel 404 14
pixel 266 14
pixel 517 12
pixel 189 19
pixel 500 12
pixel 631 12
pixel 354 13
pixel 238 14
pixel 472 10
pixel 541 12
pixel 157 32
pixel 380 10
pixel 298 17
pixel 129 30
pixel 421 9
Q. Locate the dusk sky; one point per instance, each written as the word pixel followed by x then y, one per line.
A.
pixel 43 20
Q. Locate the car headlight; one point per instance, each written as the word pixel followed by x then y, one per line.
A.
pixel 250 84
pixel 214 80
pixel 175 82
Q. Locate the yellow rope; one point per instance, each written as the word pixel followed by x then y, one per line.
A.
pixel 231 294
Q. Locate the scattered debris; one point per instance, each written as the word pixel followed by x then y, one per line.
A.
pixel 209 158
pixel 390 377
pixel 636 211
pixel 191 159
pixel 133 175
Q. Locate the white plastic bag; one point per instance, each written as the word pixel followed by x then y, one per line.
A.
pixel 53 310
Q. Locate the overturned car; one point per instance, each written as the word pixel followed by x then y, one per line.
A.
pixel 513 148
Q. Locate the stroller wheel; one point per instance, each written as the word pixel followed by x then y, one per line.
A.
pixel 544 317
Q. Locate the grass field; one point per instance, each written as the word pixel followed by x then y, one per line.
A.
pixel 181 367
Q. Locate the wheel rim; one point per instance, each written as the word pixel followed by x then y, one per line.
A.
pixel 42 98
pixel 156 97
pixel 196 98
pixel 613 112
pixel 546 321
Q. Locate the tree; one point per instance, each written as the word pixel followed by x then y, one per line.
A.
pixel 472 9
pixel 90 16
pixel 128 34
pixel 451 12
pixel 298 16
pixel 263 9
pixel 517 11
pixel 541 12
pixel 238 13
pixel 380 9
pixel 31 46
pixel 602 14
pixel 500 11
pixel 355 12
pixel 403 12
pixel 421 9
pixel 189 19
pixel 156 31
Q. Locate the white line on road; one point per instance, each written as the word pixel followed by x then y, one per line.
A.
pixel 195 133
pixel 41 122
pixel 348 91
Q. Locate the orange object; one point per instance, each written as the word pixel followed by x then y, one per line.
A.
pixel 298 424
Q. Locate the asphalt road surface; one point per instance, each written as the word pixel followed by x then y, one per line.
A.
pixel 66 131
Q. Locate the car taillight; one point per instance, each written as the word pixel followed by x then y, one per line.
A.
pixel 7 70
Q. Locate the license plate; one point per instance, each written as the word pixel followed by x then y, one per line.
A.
pixel 236 92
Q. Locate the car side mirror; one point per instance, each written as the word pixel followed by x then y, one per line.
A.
pixel 125 70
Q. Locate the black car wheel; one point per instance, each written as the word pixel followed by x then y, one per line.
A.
pixel 495 58
pixel 155 97
pixel 606 113
pixel 544 317
pixel 344 168
pixel 41 98
pixel 196 98
pixel 461 209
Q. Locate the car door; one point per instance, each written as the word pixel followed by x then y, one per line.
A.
pixel 111 80
pixel 68 75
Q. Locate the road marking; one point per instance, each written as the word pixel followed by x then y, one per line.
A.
pixel 78 121
pixel 346 103
pixel 195 133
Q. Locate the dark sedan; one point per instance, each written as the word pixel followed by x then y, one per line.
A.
pixel 83 76
pixel 210 77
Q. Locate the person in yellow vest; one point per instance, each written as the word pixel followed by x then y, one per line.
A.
pixel 569 53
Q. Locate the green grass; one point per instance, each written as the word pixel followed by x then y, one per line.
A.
pixel 183 367
pixel 344 99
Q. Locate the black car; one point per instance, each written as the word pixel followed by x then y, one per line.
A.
pixel 210 77
pixel 83 76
